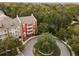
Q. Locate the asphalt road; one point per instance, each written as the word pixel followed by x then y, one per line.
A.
pixel 63 48
pixel 29 47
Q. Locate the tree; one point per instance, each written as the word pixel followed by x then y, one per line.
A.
pixel 42 28
pixel 8 46
pixel 46 37
pixel 46 41
pixel 74 43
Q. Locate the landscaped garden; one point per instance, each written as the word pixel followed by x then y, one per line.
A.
pixel 46 46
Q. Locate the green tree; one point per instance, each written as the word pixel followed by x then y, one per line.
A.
pixel 74 43
pixel 46 44
pixel 43 27
pixel 8 46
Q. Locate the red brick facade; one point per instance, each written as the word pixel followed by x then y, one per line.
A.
pixel 27 30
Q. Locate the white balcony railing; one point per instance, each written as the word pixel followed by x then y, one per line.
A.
pixel 29 26
pixel 29 30
pixel 29 33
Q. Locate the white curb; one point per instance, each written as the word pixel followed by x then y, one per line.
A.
pixel 72 52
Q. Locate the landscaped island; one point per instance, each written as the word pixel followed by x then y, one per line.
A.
pixel 46 46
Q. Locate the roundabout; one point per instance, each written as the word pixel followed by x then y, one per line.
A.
pixel 28 50
pixel 46 46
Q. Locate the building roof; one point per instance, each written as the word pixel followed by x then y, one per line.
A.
pixel 5 20
pixel 7 23
pixel 27 19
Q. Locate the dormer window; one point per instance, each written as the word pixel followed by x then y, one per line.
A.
pixel 1 25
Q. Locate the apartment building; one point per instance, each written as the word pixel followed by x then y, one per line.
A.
pixel 28 25
pixel 19 26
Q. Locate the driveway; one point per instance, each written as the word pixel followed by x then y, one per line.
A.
pixel 63 48
pixel 29 47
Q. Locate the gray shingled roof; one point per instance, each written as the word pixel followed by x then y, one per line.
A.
pixel 7 22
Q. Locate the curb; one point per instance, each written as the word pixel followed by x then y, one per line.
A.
pixel 19 52
pixel 69 48
pixel 29 39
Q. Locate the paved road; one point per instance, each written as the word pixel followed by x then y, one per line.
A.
pixel 63 48
pixel 29 47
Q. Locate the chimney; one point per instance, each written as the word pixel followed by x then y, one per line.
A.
pixel 31 14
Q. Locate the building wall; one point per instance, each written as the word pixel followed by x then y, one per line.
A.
pixel 28 29
pixel 23 29
pixel 15 32
pixel 3 34
pixel 12 32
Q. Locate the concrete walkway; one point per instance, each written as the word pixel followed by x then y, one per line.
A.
pixel 29 47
